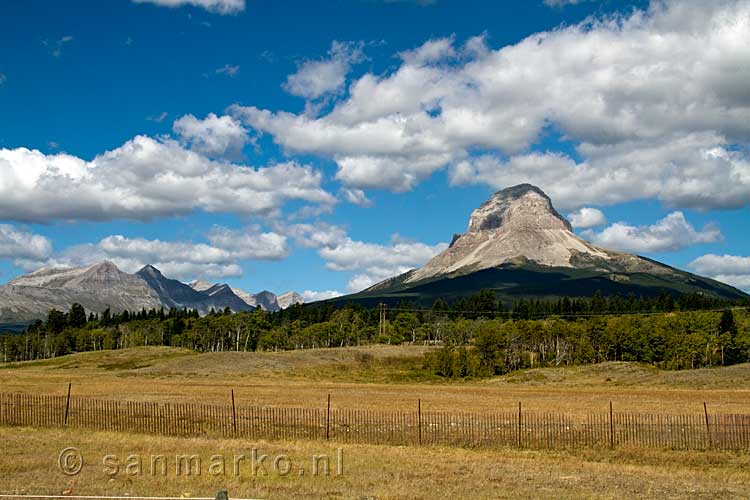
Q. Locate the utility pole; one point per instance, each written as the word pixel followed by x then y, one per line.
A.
pixel 382 319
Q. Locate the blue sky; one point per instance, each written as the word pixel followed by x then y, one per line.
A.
pixel 372 129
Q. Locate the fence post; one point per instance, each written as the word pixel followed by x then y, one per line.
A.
pixel 519 424
pixel 234 415
pixel 67 404
pixel 328 418
pixel 419 419
pixel 708 427
pixel 611 427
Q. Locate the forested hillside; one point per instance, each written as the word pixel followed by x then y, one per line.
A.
pixel 478 337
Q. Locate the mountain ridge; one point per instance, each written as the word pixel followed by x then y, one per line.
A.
pixel 103 285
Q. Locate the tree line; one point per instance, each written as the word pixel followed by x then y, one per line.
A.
pixel 478 335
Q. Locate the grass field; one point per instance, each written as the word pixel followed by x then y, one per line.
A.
pixel 376 377
pixel 29 465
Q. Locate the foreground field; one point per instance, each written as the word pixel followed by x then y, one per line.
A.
pixel 374 378
pixel 378 377
pixel 29 464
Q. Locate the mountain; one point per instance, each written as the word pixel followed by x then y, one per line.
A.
pixel 268 301
pixel 289 299
pixel 518 245
pixel 173 293
pixel 265 300
pixel 95 287
pixel 103 286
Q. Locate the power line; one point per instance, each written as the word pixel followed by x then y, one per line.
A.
pixel 383 308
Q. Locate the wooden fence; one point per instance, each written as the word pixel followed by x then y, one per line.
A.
pixel 514 428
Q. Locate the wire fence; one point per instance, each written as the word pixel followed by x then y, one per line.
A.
pixel 515 428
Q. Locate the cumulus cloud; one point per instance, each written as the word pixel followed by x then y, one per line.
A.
pixel 145 178
pixel 368 263
pixel 607 85
pixel 316 78
pixel 214 136
pixel 731 269
pixel 372 262
pixel 673 232
pixel 313 296
pixel 587 217
pixel 435 50
pixel 220 257
pixel 216 6
pixel 18 244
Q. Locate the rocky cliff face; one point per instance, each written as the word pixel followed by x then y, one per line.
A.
pixel 519 224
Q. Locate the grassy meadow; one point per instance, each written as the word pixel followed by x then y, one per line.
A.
pixel 374 377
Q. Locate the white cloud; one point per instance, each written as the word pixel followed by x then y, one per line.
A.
pixel 369 263
pixel 316 78
pixel 313 296
pixel 655 100
pixel 217 6
pixel 184 260
pixel 372 262
pixel 731 269
pixel 17 244
pixel 214 136
pixel 587 217
pixel 249 243
pixel 435 50
pixel 673 232
pixel 145 178
pixel 229 70
pixel 356 197
pixel 696 171
pixel 317 235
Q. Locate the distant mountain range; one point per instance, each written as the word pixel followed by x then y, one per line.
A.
pixel 266 300
pixel 103 286
pixel 519 246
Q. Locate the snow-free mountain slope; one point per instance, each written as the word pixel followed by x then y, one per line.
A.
pixel 520 246
pixel 96 287
pixel 104 286
pixel 289 299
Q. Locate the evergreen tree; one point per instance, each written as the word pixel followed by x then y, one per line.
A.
pixel 76 316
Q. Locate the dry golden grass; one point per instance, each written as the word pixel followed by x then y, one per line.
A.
pixel 29 460
pixel 375 377
pixel 378 377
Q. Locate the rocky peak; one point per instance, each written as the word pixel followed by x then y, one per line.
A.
pixel 98 275
pixel 200 285
pixel 288 299
pixel 517 224
pixel 149 270
pixel 519 207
